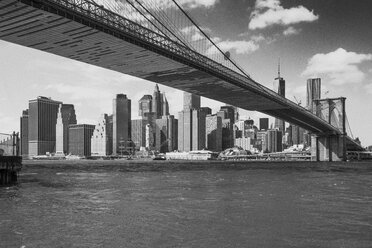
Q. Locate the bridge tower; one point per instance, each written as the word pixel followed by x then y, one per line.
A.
pixel 330 146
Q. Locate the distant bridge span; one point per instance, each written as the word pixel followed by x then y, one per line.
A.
pixel 87 32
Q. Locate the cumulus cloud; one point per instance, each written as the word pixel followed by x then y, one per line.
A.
pixel 340 66
pixel 270 12
pixel 291 31
pixel 198 3
pixel 239 46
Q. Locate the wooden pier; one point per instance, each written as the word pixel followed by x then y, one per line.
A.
pixel 9 169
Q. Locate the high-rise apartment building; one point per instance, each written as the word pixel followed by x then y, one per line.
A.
pixel 42 122
pixel 24 133
pixel 101 141
pixel 313 92
pixel 198 127
pixel 121 123
pixel 80 139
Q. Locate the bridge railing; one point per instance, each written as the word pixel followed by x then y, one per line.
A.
pixel 99 13
pixel 9 144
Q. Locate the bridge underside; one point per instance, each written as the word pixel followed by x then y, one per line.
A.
pixel 68 34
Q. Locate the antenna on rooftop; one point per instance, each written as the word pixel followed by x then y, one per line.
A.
pixel 278 78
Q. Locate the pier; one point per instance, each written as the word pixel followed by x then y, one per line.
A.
pixel 9 169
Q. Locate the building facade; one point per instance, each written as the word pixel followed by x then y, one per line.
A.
pixel 213 133
pixel 24 133
pixel 101 141
pixel 264 123
pixel 274 140
pixel 42 122
pixel 80 139
pixel 166 134
pixel 121 124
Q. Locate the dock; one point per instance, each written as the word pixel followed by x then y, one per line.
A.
pixel 10 167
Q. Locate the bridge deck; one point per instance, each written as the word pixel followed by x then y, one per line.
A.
pixel 90 38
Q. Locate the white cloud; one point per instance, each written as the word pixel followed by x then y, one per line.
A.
pixel 239 46
pixel 340 66
pixel 270 12
pixel 368 88
pixel 291 31
pixel 197 3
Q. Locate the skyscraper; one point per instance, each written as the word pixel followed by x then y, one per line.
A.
pixel 213 135
pixel 121 123
pixel 139 132
pixel 157 102
pixel 166 134
pixel 313 92
pixel 66 116
pixel 80 139
pixel 274 140
pixel 101 141
pixel 24 133
pixel 264 123
pixel 280 124
pixel 190 101
pixel 191 124
pixel 145 105
pixel 42 125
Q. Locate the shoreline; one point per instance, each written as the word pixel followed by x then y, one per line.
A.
pixel 179 165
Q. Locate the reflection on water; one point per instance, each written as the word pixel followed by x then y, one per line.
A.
pixel 202 208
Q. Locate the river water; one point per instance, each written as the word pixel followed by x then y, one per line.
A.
pixel 106 207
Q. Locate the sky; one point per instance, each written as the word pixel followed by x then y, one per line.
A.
pixel 313 38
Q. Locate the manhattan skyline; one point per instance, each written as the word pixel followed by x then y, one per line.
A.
pixel 327 40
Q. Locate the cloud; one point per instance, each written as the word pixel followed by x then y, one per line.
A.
pixel 340 66
pixel 239 46
pixel 197 3
pixel 291 31
pixel 270 12
pixel 368 88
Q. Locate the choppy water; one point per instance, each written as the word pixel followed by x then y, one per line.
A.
pixel 56 207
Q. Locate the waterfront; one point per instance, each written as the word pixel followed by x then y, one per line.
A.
pixel 165 205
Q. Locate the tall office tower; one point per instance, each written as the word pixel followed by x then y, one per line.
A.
pixel 280 124
pixel 59 131
pixel 274 140
pixel 313 92
pixel 198 127
pixel 101 141
pixel 145 105
pixel 157 102
pixel 121 124
pixel 190 101
pixel 80 139
pixel 185 130
pixel 297 135
pixel 139 133
pixel 227 114
pixel 213 135
pixel 165 108
pixel 24 133
pixel 166 135
pixel 42 125
pixel 264 123
pixel 66 117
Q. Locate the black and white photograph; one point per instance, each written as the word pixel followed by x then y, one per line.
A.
pixel 185 123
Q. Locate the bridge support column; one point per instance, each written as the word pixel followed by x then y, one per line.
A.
pixel 328 148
